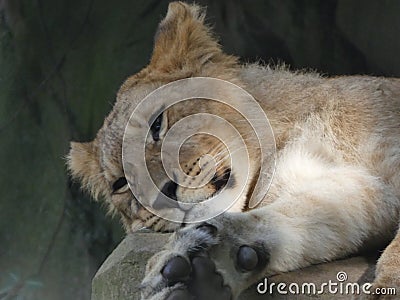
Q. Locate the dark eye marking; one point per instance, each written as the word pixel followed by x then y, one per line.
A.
pixel 221 180
pixel 119 183
pixel 156 127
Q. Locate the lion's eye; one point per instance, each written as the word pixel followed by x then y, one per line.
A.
pixel 119 183
pixel 156 127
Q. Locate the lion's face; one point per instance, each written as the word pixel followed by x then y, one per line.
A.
pixel 183 48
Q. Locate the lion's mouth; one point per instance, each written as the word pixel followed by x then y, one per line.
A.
pixel 168 199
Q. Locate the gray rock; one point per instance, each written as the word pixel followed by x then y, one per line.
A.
pixel 120 275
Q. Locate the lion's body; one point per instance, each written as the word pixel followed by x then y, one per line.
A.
pixel 336 189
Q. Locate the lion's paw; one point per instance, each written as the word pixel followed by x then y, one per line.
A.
pixel 191 270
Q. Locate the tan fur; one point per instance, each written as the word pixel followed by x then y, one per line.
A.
pixel 84 164
pixel 337 183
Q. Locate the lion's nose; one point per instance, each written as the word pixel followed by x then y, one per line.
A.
pixel 168 192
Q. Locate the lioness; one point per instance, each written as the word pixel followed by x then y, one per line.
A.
pixel 335 191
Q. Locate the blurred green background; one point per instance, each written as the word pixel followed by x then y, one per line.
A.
pixel 61 63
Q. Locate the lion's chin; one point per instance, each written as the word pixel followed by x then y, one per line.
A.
pixel 137 225
pixel 155 224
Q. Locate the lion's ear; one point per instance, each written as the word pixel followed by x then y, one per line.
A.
pixel 83 163
pixel 183 41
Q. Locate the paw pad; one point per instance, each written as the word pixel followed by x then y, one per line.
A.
pixel 247 258
pixel 200 278
pixel 177 269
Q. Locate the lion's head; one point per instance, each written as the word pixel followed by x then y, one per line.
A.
pixel 184 47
